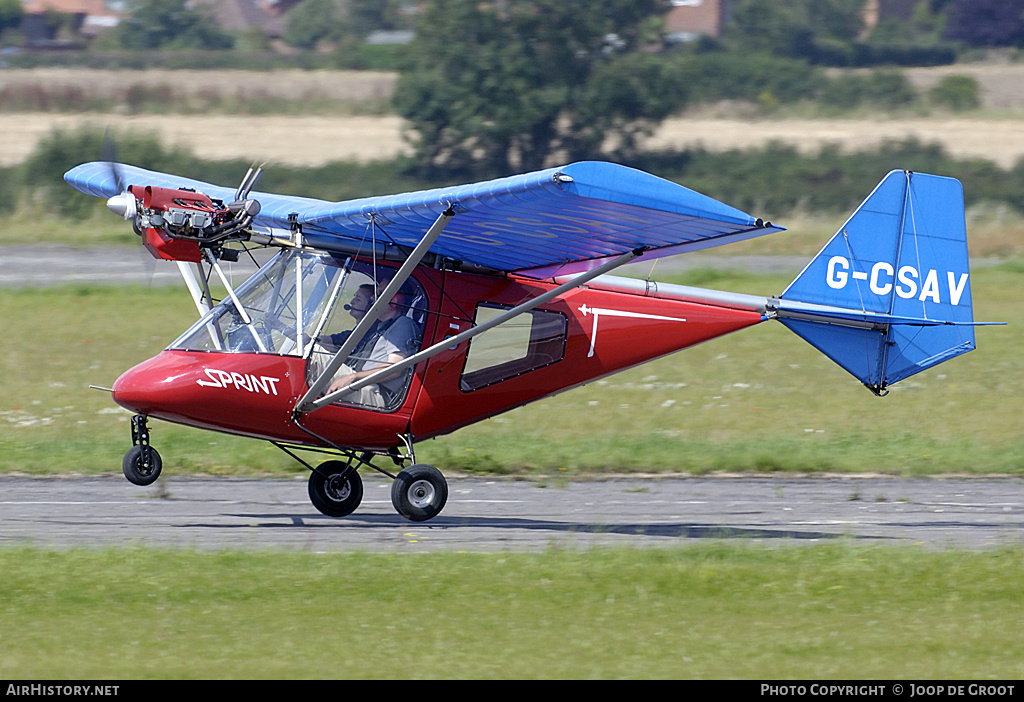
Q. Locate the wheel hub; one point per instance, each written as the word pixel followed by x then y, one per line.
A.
pixel 338 489
pixel 421 493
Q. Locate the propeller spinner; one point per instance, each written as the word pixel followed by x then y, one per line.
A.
pixel 123 205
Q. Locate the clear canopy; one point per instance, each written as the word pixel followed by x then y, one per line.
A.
pixel 302 303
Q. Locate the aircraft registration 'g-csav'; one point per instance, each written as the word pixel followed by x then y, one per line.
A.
pixel 384 321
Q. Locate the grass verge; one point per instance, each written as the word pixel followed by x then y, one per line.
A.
pixel 713 611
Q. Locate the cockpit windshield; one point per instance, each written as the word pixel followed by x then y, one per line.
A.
pixel 276 311
pixel 305 303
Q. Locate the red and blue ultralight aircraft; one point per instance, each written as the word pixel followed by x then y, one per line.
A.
pixel 384 321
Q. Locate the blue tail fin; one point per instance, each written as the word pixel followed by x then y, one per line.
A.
pixel 890 294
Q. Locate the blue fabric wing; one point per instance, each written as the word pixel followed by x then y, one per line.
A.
pixel 540 224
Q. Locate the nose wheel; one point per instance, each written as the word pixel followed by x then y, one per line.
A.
pixel 142 464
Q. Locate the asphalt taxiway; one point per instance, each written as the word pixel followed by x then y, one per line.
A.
pixel 495 515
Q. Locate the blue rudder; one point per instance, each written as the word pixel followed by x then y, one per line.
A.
pixel 890 294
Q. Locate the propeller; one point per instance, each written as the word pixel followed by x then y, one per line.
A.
pixel 123 204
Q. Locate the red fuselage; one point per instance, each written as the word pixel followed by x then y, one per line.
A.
pixel 585 334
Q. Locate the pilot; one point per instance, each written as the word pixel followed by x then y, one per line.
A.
pixel 392 338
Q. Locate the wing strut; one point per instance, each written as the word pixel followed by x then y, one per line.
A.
pixel 307 404
pixel 202 299
pixel 246 319
pixel 308 401
pixel 193 287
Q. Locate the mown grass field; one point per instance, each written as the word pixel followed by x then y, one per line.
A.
pixel 710 611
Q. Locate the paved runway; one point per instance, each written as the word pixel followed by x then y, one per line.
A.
pixel 500 515
pixel 41 265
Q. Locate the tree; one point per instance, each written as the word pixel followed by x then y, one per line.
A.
pixel 807 29
pixel 494 88
pixel 11 14
pixel 171 24
pixel 312 22
pixel 365 16
pixel 316 21
pixel 987 22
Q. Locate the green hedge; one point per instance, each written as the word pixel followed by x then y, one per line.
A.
pixel 778 179
pixel 774 179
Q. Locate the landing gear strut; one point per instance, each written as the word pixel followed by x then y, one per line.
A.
pixel 419 492
pixel 142 464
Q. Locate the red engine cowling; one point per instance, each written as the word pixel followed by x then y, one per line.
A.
pixel 175 221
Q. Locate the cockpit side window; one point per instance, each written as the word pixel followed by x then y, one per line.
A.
pixel 533 340
pixel 395 335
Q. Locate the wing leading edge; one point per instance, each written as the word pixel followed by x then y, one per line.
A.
pixel 551 222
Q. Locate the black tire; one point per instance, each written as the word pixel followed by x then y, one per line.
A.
pixel 133 468
pixel 419 492
pixel 335 489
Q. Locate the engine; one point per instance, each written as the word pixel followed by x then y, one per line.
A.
pixel 177 225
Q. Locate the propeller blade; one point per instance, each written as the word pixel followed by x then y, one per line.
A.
pixel 122 204
pixel 239 194
pixel 108 153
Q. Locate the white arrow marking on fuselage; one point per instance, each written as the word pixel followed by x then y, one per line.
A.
pixel 598 311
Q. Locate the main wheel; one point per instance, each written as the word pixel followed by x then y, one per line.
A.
pixel 138 470
pixel 335 489
pixel 419 492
